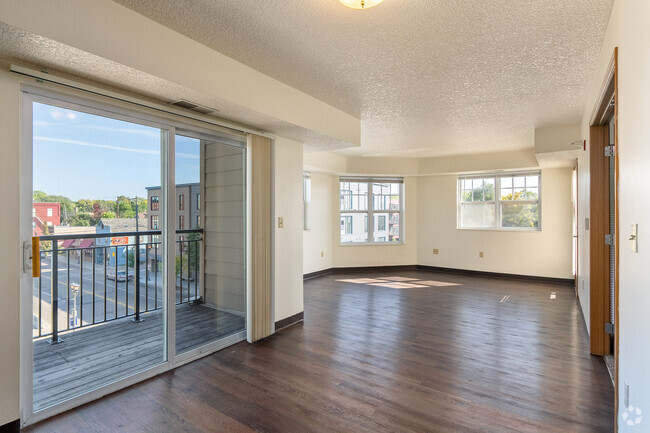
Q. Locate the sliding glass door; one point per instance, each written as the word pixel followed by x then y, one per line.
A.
pixel 97 302
pixel 138 224
pixel 210 197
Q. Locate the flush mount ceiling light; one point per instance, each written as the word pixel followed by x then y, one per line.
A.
pixel 360 4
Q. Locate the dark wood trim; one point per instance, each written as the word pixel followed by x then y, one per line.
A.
pixel 291 320
pixel 599 258
pixel 535 278
pixel 598 250
pixel 317 274
pixel 617 237
pixel 408 268
pixel 11 427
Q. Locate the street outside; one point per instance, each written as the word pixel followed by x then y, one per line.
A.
pixel 151 293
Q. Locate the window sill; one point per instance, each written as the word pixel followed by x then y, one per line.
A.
pixel 511 230
pixel 372 244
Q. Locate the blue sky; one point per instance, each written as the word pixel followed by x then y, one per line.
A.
pixel 81 155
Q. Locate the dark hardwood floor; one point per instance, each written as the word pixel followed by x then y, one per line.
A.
pixel 439 353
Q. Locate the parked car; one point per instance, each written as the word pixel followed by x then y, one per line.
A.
pixel 121 275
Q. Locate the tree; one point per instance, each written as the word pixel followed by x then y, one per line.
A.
pixel 520 214
pixel 124 207
pixel 81 219
pixel 108 215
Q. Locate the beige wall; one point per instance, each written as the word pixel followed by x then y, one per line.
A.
pixel 287 255
pixel 317 242
pixel 545 253
pixel 10 238
pixel 628 29
pixel 431 210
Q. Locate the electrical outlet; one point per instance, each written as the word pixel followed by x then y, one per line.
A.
pixel 436 251
pixel 280 222
pixel 626 395
pixel 480 254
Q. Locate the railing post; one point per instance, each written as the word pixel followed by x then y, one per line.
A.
pixel 55 293
pixel 137 278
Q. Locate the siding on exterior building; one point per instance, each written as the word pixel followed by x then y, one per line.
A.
pixel 224 236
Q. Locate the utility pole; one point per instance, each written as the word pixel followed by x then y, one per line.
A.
pixel 137 229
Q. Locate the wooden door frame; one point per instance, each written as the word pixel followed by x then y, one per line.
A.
pixel 599 220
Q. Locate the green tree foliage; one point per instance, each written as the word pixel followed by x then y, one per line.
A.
pixel 520 214
pixel 81 219
pixel 108 215
pixel 124 207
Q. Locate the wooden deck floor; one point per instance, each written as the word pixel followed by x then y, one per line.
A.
pixel 434 353
pixel 92 357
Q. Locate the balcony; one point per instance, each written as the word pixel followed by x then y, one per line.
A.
pixel 102 319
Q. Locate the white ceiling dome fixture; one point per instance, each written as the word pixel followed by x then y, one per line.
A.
pixel 360 4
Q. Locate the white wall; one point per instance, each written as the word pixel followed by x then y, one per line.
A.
pixel 10 239
pixel 628 29
pixel 317 242
pixel 287 265
pixel 545 253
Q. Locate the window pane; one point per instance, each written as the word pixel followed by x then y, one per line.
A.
pixel 506 194
pixel 519 181
pixel 354 228
pixel 354 196
pixel 506 182
pixel 523 215
pixel 518 194
pixel 385 196
pixel 531 194
pixel 532 181
pixel 477 215
pixel 478 190
pixel 488 187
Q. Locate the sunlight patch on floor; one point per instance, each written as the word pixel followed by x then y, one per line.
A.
pixel 397 285
pixel 438 283
pixel 399 282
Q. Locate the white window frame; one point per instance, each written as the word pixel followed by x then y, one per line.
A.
pixel 497 199
pixel 306 200
pixel 370 212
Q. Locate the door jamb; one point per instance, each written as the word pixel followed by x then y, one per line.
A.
pixel 599 303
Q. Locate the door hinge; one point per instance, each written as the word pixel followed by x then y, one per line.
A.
pixel 609 328
pixel 27 257
pixel 609 239
pixel 610 151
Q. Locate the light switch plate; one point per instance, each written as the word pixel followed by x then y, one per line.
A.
pixel 280 222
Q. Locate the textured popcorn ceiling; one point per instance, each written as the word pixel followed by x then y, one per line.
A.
pixel 24 48
pixel 426 77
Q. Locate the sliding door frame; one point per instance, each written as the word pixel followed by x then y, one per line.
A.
pixel 169 123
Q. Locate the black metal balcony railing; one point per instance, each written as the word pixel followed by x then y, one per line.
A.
pixel 101 263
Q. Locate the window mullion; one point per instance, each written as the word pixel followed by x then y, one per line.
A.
pixel 371 216
pixel 497 201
